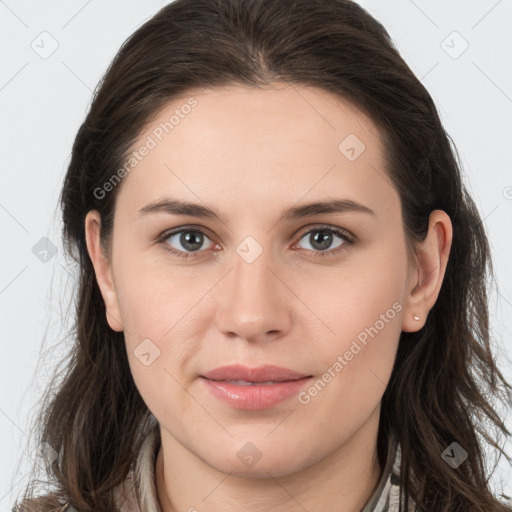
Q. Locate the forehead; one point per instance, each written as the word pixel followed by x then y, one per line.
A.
pixel 258 146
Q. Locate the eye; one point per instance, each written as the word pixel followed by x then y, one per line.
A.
pixel 320 240
pixel 191 241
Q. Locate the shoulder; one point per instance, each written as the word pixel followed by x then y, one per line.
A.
pixel 135 493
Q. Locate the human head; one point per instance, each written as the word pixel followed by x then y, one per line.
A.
pixel 337 47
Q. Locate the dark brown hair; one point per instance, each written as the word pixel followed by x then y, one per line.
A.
pixel 445 384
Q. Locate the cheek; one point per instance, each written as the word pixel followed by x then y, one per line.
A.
pixel 361 311
pixel 357 365
pixel 364 291
pixel 159 342
pixel 164 322
pixel 153 294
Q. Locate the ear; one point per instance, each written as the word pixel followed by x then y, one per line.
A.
pixel 103 269
pixel 427 277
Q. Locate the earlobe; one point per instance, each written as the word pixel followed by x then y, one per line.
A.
pixel 431 261
pixel 102 269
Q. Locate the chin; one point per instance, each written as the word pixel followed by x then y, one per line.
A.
pixel 278 464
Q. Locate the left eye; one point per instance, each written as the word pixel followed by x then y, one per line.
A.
pixel 323 237
pixel 192 240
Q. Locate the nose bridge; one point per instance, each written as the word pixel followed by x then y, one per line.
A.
pixel 252 300
pixel 251 275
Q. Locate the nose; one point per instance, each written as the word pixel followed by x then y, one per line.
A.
pixel 254 302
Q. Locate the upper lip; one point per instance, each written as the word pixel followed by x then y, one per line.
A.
pixel 260 374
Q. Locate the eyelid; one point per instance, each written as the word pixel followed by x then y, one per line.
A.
pixel 164 235
pixel 327 227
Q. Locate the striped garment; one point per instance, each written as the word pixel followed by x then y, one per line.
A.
pixel 138 491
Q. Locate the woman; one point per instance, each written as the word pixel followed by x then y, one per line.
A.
pixel 282 297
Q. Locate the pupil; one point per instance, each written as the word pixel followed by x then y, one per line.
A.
pixel 186 238
pixel 323 238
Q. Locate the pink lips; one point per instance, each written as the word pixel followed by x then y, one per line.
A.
pixel 254 388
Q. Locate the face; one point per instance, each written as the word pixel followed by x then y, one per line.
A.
pixel 316 291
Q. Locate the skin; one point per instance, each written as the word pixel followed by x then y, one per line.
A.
pixel 250 154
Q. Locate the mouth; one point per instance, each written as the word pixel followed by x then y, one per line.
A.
pixel 260 388
pixel 249 383
pixel 244 375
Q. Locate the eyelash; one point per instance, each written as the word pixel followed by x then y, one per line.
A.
pixel 348 241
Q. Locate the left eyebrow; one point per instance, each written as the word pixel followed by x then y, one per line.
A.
pixel 322 207
pixel 178 207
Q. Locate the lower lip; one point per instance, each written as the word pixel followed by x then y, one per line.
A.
pixel 255 397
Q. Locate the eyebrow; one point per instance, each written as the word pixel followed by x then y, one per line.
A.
pixel 178 207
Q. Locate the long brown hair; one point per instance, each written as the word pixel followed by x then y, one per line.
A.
pixel 445 384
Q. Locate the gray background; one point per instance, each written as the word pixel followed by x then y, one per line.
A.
pixel 44 98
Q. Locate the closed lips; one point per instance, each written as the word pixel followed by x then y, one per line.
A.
pixel 249 383
pixel 245 376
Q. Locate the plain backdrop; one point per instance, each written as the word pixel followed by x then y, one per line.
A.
pixel 53 54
